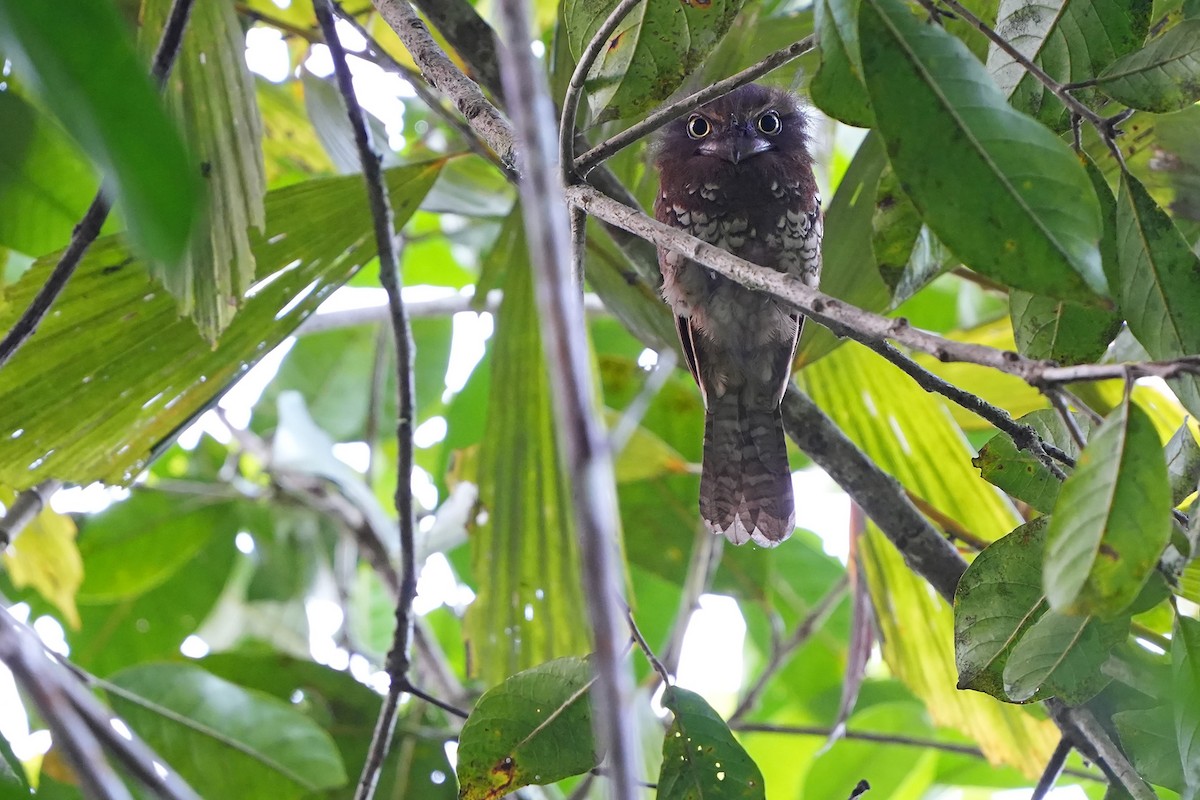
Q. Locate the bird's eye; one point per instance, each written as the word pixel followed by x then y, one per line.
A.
pixel 770 124
pixel 698 127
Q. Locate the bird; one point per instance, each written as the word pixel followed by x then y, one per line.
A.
pixel 737 173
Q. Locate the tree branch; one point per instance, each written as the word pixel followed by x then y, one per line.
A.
pixel 779 655
pixel 443 75
pixel 661 116
pixel 398 659
pixel 25 509
pixel 582 438
pixel 89 227
pixel 570 105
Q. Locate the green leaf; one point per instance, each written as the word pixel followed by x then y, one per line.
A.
pixel 849 272
pixel 534 728
pixel 837 88
pixel 116 372
pixel 1156 289
pixel 78 57
pixel 264 747
pixel 12 773
pixel 998 598
pixel 211 93
pixel 1183 464
pixel 1060 331
pixel 140 543
pixel 897 773
pixel 1021 474
pixel 45 183
pixel 1148 736
pixel 1061 655
pixel 907 253
pixel 654 48
pixel 701 759
pixel 1163 76
pixel 987 180
pixel 1086 37
pixel 1185 680
pixel 1112 518
pixel 1026 26
pixel 908 433
pixel 531 608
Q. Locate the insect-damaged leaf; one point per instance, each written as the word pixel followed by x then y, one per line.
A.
pixel 1112 518
pixel 701 759
pixel 647 57
pixel 535 728
pixel 1020 473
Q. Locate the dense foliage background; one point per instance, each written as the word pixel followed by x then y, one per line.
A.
pixel 231 593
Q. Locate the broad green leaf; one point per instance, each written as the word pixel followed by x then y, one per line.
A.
pixel 849 271
pixel 1087 36
pixel 1185 679
pixel 1061 655
pixel 654 48
pixel 1163 76
pixel 45 182
pixel 1021 474
pixel 141 542
pixel 837 88
pixel 1112 519
pixel 531 608
pixel 45 557
pixel 701 759
pixel 1060 331
pixel 211 93
pixel 340 704
pixel 152 626
pixel 1026 26
pixel 1156 290
pixel 909 434
pixel 998 598
pixel 1183 464
pixel 1148 737
pixel 264 747
pixel 534 728
pixel 291 150
pixel 898 773
pixel 115 372
pixel 78 58
pixel 987 180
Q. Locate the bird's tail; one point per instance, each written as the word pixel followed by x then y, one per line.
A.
pixel 745 485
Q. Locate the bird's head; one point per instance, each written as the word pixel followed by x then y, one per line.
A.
pixel 752 129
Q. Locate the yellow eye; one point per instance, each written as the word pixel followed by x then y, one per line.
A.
pixel 698 127
pixel 770 124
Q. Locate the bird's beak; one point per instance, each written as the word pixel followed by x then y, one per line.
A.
pixel 736 149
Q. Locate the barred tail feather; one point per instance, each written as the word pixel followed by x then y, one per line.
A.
pixel 745 483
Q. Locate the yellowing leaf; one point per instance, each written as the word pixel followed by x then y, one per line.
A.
pixel 45 557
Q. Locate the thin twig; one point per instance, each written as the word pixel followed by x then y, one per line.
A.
pixel 1023 436
pixel 678 108
pixel 953 528
pixel 780 654
pixel 389 275
pixel 1054 768
pixel 647 651
pixel 25 509
pixel 384 59
pixel 1068 419
pixel 857 323
pixel 883 738
pixel 89 227
pixel 1111 758
pixel 705 558
pixel 589 461
pixel 570 105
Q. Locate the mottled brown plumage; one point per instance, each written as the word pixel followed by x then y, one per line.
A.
pixel 737 173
